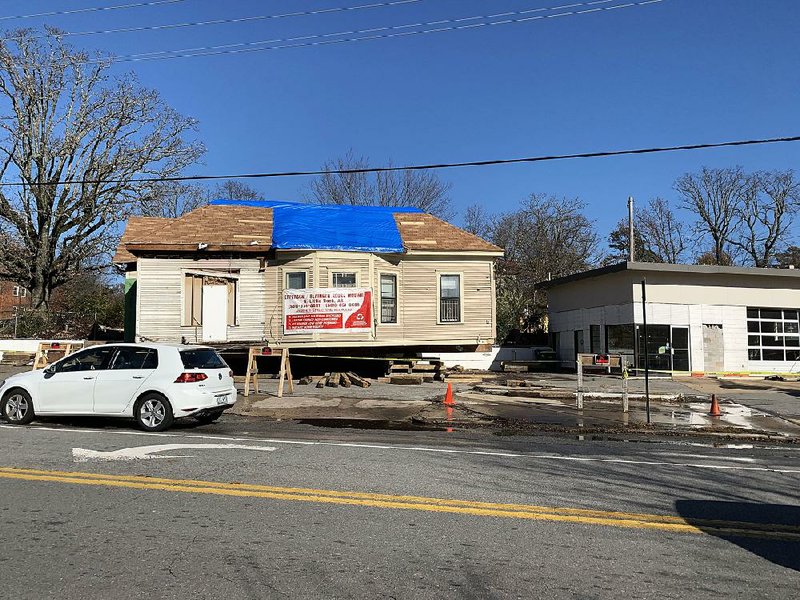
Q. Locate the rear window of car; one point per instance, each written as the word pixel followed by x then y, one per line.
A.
pixel 202 358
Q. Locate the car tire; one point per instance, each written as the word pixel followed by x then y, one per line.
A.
pixel 17 407
pixel 153 412
pixel 208 417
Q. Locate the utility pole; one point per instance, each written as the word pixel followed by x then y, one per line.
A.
pixel 646 358
pixel 631 245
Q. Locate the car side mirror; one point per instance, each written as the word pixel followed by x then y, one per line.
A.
pixel 50 371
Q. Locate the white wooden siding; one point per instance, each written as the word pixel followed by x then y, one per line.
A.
pixel 261 298
pixel 160 298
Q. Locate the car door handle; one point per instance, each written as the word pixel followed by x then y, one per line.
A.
pixel 88 377
pixel 138 376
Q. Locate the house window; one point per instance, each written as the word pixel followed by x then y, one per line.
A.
pixel 388 298
pixel 193 299
pixel 19 292
pixel 450 298
pixel 773 334
pixel 344 280
pixel 296 280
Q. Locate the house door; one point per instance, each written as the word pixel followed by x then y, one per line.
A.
pixel 713 348
pixel 215 313
pixel 580 346
pixel 680 348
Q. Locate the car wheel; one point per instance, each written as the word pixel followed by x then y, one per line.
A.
pixel 153 412
pixel 17 407
pixel 208 417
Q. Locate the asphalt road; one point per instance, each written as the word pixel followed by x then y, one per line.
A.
pixel 248 509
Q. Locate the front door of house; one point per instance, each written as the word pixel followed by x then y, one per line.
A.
pixel 215 313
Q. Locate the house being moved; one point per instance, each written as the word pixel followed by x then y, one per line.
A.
pixel 304 275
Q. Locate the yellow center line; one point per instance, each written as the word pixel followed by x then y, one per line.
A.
pixel 668 523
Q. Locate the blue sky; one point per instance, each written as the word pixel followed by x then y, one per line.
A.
pixel 678 71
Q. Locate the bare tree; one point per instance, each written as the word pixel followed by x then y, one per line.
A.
pixel 232 189
pixel 767 207
pixel 547 237
pixel 344 183
pixel 76 140
pixel 663 232
pixel 171 199
pixel 714 196
pixel 478 221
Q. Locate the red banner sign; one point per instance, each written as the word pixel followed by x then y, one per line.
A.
pixel 334 310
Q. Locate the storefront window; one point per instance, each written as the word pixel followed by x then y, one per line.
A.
pixel 780 334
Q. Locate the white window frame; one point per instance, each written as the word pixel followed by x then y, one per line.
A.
pixel 396 298
pixel 761 347
pixel 15 291
pixel 354 273
pixel 293 272
pixel 439 298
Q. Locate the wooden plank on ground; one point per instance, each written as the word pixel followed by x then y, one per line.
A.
pixel 358 380
pixel 406 379
pixel 333 380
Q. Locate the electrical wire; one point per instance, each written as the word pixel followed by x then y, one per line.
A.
pixel 75 11
pixel 477 163
pixel 259 46
pixel 234 20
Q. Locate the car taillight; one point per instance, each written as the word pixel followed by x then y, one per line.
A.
pixel 191 377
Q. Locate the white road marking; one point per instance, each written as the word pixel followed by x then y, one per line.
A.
pixel 732 458
pixel 148 452
pixel 557 457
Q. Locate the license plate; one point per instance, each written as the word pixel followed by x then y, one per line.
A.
pixel 223 399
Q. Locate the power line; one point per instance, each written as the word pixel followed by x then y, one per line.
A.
pixel 258 46
pixel 477 163
pixel 234 20
pixel 75 11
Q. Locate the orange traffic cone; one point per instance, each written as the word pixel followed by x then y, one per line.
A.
pixel 715 411
pixel 448 397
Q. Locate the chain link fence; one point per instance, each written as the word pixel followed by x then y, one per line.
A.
pixel 26 323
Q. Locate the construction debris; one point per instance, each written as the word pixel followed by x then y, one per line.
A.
pixel 406 379
pixel 432 369
pixel 342 379
pixel 359 381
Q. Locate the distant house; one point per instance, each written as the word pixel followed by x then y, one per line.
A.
pixel 701 319
pixel 306 275
pixel 13 297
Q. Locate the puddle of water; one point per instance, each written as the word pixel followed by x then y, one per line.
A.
pixel 371 424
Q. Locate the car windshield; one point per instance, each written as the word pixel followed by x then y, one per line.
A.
pixel 202 358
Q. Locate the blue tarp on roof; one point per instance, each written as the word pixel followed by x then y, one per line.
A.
pixel 314 227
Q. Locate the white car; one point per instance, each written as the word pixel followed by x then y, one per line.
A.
pixel 153 383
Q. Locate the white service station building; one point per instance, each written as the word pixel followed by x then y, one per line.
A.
pixel 700 319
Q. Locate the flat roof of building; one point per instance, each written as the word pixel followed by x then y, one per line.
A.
pixel 645 267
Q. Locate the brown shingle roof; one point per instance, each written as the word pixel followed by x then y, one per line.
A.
pixel 249 228
pixel 136 228
pixel 221 227
pixel 421 231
